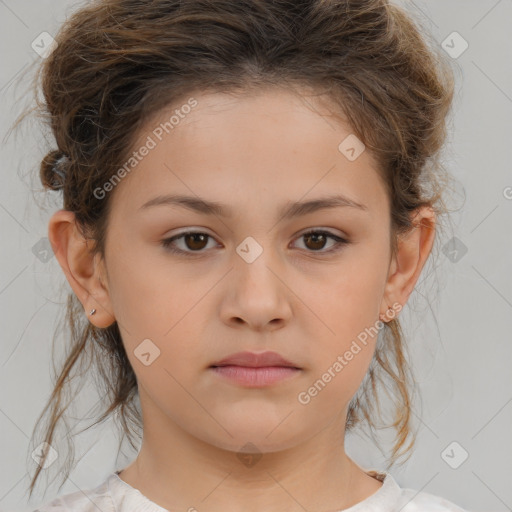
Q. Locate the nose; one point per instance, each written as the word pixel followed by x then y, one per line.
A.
pixel 256 295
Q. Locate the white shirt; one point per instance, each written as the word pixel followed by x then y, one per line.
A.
pixel 116 495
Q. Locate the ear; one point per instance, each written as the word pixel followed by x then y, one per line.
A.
pixel 84 271
pixel 406 265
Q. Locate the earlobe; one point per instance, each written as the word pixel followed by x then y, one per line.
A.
pixel 413 250
pixel 82 268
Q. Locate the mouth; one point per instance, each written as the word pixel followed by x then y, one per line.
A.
pixel 255 360
pixel 250 369
pixel 255 377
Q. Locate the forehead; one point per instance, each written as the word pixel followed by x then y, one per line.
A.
pixel 236 148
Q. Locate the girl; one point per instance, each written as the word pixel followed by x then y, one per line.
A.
pixel 249 200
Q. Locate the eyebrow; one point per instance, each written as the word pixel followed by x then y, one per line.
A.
pixel 289 211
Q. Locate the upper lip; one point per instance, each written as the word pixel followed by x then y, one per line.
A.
pixel 255 360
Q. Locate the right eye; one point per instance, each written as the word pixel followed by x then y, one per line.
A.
pixel 193 240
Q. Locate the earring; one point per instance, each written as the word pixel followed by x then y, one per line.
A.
pixel 92 312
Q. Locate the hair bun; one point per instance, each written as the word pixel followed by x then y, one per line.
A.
pixel 53 170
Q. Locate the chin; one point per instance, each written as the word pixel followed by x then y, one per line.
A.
pixel 242 435
pixel 254 445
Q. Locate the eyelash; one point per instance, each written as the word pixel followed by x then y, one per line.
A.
pixel 340 242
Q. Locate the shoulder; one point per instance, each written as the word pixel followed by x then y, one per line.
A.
pixel 391 497
pixel 89 500
pixel 414 501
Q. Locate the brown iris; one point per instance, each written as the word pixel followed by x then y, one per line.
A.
pixel 318 240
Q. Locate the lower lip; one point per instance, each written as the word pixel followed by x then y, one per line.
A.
pixel 255 377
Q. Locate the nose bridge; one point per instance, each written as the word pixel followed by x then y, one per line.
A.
pixel 257 294
pixel 255 261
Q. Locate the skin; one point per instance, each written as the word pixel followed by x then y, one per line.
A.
pixel 254 153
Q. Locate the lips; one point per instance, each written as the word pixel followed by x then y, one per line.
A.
pixel 255 360
pixel 255 370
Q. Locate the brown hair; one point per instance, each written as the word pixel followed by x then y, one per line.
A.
pixel 118 62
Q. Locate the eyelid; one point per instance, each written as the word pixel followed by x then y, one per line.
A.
pixel 320 229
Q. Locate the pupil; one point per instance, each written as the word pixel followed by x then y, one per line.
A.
pixel 316 237
pixel 194 237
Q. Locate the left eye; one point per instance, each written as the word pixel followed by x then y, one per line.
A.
pixel 318 238
pixel 195 241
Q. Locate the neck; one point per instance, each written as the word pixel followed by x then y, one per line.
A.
pixel 178 471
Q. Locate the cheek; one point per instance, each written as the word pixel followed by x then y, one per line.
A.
pixel 149 294
pixel 348 304
pixel 342 357
pixel 349 298
pixel 165 304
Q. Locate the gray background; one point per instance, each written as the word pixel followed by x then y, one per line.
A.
pixel 460 340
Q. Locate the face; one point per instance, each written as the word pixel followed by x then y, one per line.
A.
pixel 251 278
